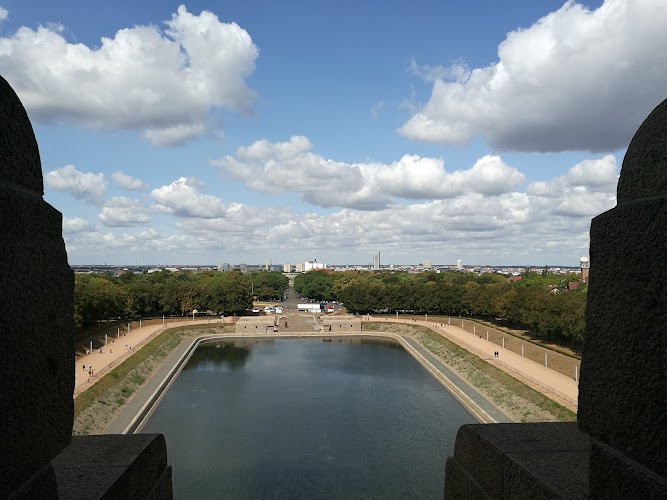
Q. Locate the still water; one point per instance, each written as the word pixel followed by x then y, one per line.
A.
pixel 307 419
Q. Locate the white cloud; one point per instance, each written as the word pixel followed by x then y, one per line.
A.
pixel 376 109
pixel 164 83
pixel 575 80
pixel 3 14
pixel 75 225
pixel 183 199
pixel 586 190
pixel 458 72
pixel 291 167
pixel 126 182
pixel 121 211
pixel 265 150
pixel 83 186
pixel 550 219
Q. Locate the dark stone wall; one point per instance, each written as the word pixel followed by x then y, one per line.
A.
pixel 36 310
pixel 623 385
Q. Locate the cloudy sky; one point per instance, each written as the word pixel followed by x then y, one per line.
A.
pixel 213 132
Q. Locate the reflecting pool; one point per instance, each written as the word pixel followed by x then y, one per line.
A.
pixel 307 419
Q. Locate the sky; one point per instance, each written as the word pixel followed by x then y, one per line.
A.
pixel 239 132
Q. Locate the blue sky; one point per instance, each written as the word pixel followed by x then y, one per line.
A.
pixel 212 132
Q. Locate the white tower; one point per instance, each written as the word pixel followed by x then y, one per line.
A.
pixel 584 265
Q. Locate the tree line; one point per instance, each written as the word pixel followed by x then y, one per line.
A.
pixel 100 297
pixel 537 302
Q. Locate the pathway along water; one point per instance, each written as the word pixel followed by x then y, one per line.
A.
pixel 307 419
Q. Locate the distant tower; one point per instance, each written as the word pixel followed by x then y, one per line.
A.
pixel 459 265
pixel 584 265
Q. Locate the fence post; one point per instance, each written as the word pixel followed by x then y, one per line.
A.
pixel 474 329
pixel 522 350
pixel 545 360
pixel 503 342
pixel 487 335
pixel 106 339
pixel 576 374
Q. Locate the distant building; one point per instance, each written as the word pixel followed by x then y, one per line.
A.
pixel 309 266
pixel 584 267
pixel 287 268
pixel 224 267
pixel 426 264
pixel 459 265
pixel 376 262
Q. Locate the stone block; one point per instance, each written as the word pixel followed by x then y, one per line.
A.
pixel 531 461
pixel 114 466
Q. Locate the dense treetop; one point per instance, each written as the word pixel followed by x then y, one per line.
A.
pixel 541 303
pixel 102 296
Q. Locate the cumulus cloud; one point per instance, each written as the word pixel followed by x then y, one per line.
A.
pixel 182 198
pixel 548 220
pixel 121 211
pixel 126 182
pixel 291 167
pixel 83 186
pixel 3 14
pixel 75 225
pixel 163 83
pixel 585 190
pixel 577 79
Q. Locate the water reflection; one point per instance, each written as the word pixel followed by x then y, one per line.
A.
pixel 307 419
pixel 220 355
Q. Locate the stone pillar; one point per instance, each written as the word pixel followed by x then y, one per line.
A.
pixel 36 315
pixel 623 382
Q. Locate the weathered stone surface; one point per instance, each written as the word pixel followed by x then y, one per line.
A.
pixel 623 385
pixel 613 475
pixel 644 172
pixel 114 466
pixel 36 310
pixel 19 155
pixel 531 461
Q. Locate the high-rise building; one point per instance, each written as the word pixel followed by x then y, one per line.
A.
pixel 426 264
pixel 459 265
pixel 287 268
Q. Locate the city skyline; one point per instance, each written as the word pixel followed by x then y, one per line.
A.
pixel 207 132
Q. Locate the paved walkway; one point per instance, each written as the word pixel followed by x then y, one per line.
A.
pixel 101 360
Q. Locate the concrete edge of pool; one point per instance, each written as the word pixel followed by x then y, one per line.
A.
pixel 139 408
